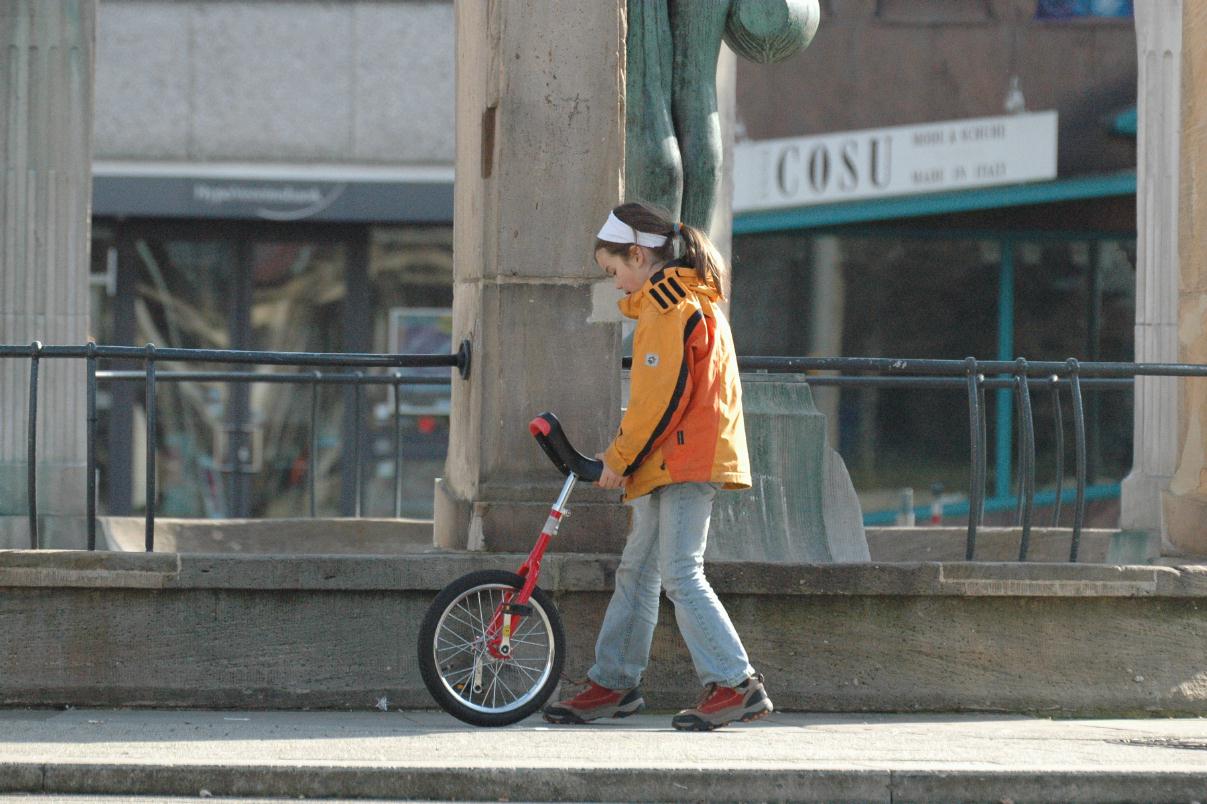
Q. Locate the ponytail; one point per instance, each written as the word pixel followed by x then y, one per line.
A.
pixel 686 243
pixel 702 255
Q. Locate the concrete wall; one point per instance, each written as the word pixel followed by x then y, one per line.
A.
pixel 361 82
pixel 106 629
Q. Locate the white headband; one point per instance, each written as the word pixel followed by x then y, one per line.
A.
pixel 617 231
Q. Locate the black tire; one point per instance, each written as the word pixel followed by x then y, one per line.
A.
pixel 518 685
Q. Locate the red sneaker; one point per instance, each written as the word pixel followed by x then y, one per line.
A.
pixel 595 702
pixel 721 705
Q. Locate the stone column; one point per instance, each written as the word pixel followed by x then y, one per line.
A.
pixel 45 166
pixel 1185 507
pixel 1159 46
pixel 540 161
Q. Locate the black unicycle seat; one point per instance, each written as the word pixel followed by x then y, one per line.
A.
pixel 547 431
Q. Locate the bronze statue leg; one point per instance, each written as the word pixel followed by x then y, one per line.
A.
pixel 696 29
pixel 653 168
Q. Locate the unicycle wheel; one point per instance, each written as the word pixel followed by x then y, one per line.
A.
pixel 470 680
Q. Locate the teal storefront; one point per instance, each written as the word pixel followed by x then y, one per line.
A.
pixel 1042 270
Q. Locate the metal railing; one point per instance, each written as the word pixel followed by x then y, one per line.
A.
pixel 972 375
pixel 151 356
pixel 975 376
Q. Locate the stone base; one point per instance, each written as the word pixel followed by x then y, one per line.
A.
pixel 275 536
pixel 1185 524
pixel 61 489
pixel 595 523
pixel 1097 546
pixel 1140 502
pixel 54 532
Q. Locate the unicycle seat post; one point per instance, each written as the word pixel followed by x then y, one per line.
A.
pixel 531 567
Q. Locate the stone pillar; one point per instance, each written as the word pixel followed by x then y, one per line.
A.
pixel 540 161
pixel 1159 46
pixel 45 167
pixel 1185 507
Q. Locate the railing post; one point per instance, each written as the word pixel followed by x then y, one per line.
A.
pixel 1079 449
pixel 974 428
pixel 151 447
pixel 1060 449
pixel 356 439
pixel 397 386
pixel 984 469
pixel 90 483
pixel 1027 466
pixel 32 445
pixel 312 464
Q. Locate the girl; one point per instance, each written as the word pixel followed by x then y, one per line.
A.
pixel 680 440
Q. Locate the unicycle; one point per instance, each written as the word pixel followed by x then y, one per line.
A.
pixel 491 646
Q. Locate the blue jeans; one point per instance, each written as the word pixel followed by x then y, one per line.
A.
pixel 666 548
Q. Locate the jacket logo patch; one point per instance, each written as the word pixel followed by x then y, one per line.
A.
pixel 651 359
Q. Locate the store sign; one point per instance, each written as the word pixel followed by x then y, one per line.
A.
pixel 901 160
pixel 198 191
pixel 276 201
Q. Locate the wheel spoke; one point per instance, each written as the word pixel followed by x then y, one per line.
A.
pixel 473 628
pixel 531 674
pixel 503 684
pixel 448 658
pixel 456 676
pixel 450 636
pixel 532 622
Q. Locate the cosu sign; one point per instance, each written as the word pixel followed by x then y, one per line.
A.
pixel 846 166
pixel 901 160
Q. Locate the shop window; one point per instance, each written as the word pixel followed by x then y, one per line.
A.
pixel 102 292
pixel 932 295
pixel 297 304
pixel 411 288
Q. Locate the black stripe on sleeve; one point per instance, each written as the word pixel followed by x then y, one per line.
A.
pixel 656 296
pixel 676 395
pixel 675 286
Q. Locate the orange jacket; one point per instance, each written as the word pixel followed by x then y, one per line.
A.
pixel 684 419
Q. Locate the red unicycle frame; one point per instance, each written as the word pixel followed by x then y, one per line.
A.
pixel 547 430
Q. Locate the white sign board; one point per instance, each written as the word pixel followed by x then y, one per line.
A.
pixel 901 160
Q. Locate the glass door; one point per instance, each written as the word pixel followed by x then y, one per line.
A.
pixel 296 304
pixel 227 449
pixel 178 294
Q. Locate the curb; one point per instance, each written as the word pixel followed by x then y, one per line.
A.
pixel 601 784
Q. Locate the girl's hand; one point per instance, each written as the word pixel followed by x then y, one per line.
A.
pixel 609 479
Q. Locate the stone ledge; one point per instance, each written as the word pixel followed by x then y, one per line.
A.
pixel 587 573
pixel 82 568
pixel 346 535
pixel 198 631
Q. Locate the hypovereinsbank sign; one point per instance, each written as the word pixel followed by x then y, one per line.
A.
pixel 899 160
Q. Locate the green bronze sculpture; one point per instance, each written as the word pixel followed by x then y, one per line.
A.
pixel 672 130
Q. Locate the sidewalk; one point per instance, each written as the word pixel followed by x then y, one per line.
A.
pixel 428 755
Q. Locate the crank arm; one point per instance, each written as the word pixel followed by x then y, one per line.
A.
pixel 477 683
